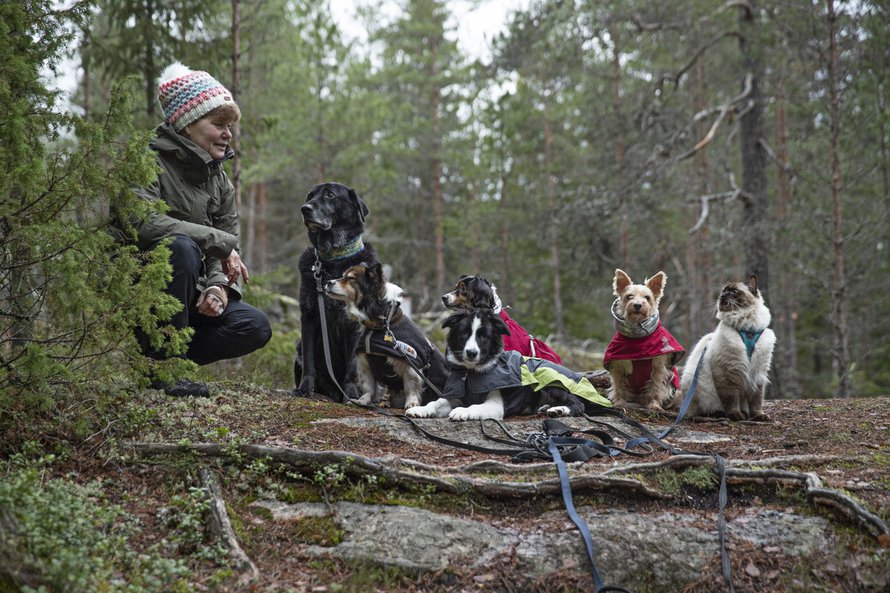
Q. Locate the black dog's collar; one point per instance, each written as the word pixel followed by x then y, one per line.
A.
pixel 355 246
pixel 634 330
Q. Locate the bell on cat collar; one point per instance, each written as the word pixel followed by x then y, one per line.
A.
pixel 634 330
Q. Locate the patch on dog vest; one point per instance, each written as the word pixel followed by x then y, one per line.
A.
pixel 405 348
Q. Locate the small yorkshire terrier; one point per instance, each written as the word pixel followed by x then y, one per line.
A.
pixel 642 356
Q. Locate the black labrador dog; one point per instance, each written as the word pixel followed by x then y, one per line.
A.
pixel 334 216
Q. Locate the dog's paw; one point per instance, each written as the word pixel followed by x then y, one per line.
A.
pixel 351 390
pixel 761 417
pixel 396 399
pixel 365 399
pixel 461 415
pixel 736 415
pixel 412 401
pixel 306 387
pixel 474 412
pixel 555 411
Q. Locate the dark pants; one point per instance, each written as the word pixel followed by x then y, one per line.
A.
pixel 240 329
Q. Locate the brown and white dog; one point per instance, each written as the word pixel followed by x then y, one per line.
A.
pixel 392 348
pixel 476 292
pixel 642 356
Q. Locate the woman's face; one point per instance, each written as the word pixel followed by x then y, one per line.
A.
pixel 212 134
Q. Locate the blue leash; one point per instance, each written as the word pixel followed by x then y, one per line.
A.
pixel 576 518
pixel 610 451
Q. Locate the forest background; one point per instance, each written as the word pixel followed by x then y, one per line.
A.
pixel 711 140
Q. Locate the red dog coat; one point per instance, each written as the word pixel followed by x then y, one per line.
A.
pixel 641 351
pixel 520 341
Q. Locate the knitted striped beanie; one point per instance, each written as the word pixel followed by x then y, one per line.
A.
pixel 187 95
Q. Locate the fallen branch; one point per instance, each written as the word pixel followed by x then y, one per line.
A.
pixel 310 461
pixel 810 481
pixel 222 528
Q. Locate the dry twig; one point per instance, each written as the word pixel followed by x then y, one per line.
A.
pixel 222 528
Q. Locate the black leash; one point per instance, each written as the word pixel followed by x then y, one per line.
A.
pixel 326 341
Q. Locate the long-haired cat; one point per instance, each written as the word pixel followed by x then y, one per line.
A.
pixel 734 374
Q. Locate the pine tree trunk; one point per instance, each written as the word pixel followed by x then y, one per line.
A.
pixel 262 230
pixel 787 384
pixel 697 258
pixel 439 225
pixel 236 82
pixel 754 182
pixel 552 233
pixel 841 362
pixel 505 287
pixel 248 245
pixel 619 145
pixel 149 71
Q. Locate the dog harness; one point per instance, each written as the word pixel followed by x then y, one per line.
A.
pixel 641 351
pixel 749 338
pixel 392 339
pixel 517 376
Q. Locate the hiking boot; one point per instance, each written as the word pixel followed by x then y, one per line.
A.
pixel 182 388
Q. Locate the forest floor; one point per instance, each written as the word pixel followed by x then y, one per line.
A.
pixel 269 450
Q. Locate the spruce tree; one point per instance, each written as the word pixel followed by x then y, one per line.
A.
pixel 70 293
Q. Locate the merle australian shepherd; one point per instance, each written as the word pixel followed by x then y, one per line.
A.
pixel 334 216
pixel 487 382
pixel 476 292
pixel 393 350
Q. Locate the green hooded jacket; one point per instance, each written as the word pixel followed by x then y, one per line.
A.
pixel 200 200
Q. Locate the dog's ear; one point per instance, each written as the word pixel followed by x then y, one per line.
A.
pixel 500 326
pixel 752 284
pixel 621 282
pixel 359 203
pixel 453 320
pixel 656 285
pixel 375 272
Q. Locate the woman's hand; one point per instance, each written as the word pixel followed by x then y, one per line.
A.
pixel 233 267
pixel 213 301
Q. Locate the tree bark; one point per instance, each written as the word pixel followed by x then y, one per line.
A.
pixel 438 222
pixel 148 68
pixel 787 384
pixel 552 230
pixel 619 144
pixel 698 261
pixel 841 355
pixel 236 82
pixel 754 182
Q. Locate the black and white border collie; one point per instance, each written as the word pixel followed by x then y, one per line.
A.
pixel 389 341
pixel 487 382
pixel 476 292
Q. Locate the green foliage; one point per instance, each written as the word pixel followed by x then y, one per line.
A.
pixel 58 535
pixel 70 294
